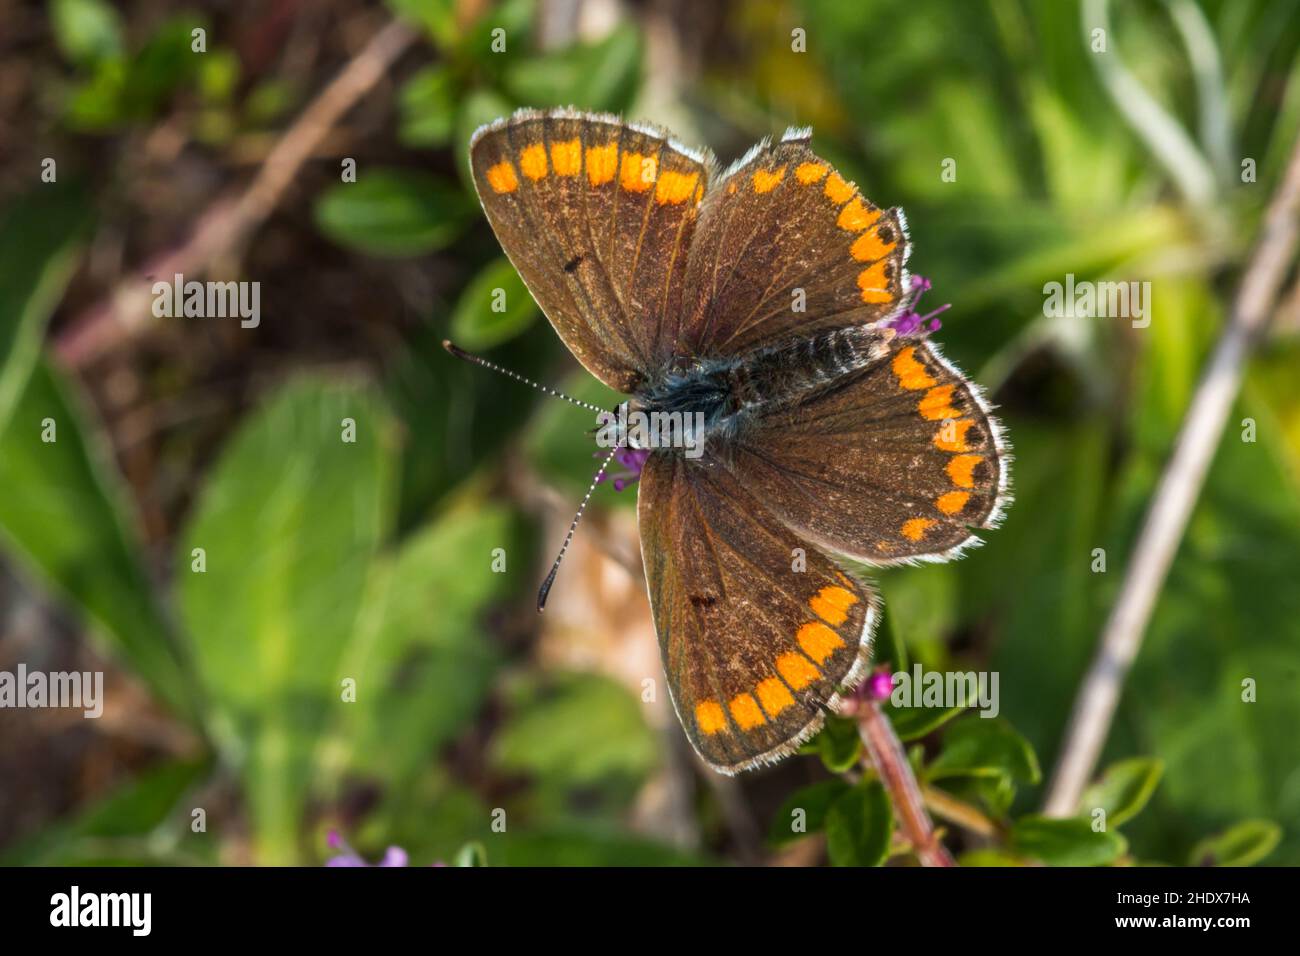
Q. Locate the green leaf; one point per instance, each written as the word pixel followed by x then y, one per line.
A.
pixel 115 830
pixel 436 17
pixel 495 307
pixel 579 845
pixel 839 744
pixel 602 76
pixel 913 723
pixel 86 30
pixel 984 747
pixel 1123 789
pixel 393 212
pixel 581 731
pixel 422 660
pixel 40 240
pixel 428 106
pixel 804 811
pixel 1065 842
pixel 859 826
pixel 288 524
pixel 1243 844
pixel 472 854
pixel 72 524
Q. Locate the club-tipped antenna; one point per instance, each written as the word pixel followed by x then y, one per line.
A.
pixel 462 354
pixel 573 526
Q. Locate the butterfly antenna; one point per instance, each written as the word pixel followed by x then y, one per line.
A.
pixel 462 354
pixel 573 526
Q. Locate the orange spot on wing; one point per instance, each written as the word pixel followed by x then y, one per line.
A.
pixel 831 604
pixel 774 696
pixel 809 173
pixel 914 529
pixel 765 181
pixel 674 187
pixel 638 172
pixel 602 161
pixel 961 469
pixel 699 194
pixel 855 216
pixel 868 247
pixel 502 178
pixel 745 711
pixel 911 373
pixel 796 670
pixel 532 160
pixel 936 405
pixel 818 641
pixel 952 436
pixel 709 717
pixel 874 283
pixel 837 190
pixel 952 502
pixel 567 158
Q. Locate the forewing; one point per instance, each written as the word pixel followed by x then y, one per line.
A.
pixel 758 632
pixel 787 246
pixel 597 216
pixel 896 464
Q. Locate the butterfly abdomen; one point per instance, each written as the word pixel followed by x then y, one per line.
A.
pixel 780 373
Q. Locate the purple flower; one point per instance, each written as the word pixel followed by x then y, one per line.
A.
pixel 632 459
pixel 912 322
pixel 393 856
pixel 880 684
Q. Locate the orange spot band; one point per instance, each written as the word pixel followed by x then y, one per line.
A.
pixel 709 717
pixel 502 178
pixel 818 641
pixel 961 469
pixel 914 529
pixel 746 713
pixel 911 373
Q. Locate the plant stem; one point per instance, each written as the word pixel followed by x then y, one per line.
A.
pixel 890 760
pixel 1175 497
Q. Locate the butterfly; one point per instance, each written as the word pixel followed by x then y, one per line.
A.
pixel 770 304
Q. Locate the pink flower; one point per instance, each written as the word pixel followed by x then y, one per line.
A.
pixel 913 323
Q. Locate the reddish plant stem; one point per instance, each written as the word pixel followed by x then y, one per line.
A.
pixel 890 760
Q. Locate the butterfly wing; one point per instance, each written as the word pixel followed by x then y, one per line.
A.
pixel 784 245
pixel 758 633
pixel 597 216
pixel 895 464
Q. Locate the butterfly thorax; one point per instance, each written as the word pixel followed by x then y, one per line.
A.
pixel 723 395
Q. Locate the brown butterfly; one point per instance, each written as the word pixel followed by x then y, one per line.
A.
pixel 767 312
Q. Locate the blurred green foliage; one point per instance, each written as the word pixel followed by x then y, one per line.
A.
pixel 327 558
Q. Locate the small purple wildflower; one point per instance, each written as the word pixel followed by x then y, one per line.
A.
pixel 912 322
pixel 393 856
pixel 880 684
pixel 632 459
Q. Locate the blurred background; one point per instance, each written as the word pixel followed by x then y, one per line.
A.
pixel 303 633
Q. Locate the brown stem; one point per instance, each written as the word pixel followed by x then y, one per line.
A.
pixel 229 220
pixel 1175 497
pixel 890 760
